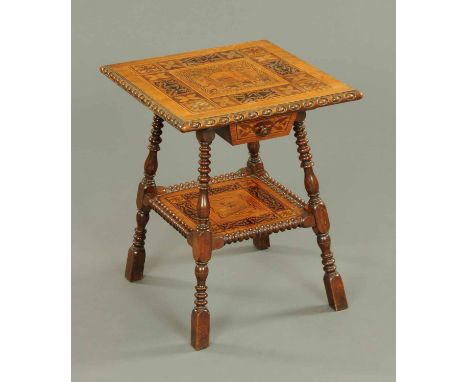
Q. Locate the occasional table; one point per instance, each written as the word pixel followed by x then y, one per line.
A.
pixel 245 93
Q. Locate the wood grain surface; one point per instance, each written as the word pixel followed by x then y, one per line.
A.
pixel 215 87
pixel 257 130
pixel 242 205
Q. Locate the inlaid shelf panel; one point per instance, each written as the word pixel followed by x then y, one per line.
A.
pixel 243 205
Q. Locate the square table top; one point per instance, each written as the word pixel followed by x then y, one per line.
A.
pixel 214 87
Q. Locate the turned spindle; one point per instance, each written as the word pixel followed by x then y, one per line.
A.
pixel 136 253
pixel 332 279
pixel 254 163
pixel 255 166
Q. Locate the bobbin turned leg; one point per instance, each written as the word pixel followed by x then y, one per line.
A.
pixel 255 166
pixel 332 279
pixel 136 253
pixel 201 246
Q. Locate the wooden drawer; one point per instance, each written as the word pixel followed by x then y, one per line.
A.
pixel 257 130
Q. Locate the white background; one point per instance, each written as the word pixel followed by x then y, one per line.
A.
pixel 431 190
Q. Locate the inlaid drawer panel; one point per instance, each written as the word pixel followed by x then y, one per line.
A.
pixel 259 129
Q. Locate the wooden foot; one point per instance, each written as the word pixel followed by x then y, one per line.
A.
pixel 335 291
pixel 200 338
pixel 136 253
pixel 262 242
pixel 135 265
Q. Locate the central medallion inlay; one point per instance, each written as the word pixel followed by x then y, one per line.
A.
pixel 226 78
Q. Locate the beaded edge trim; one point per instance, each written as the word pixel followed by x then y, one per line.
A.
pixel 222 120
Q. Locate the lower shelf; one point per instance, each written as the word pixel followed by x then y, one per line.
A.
pixel 242 206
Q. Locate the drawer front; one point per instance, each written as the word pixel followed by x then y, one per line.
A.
pixel 260 129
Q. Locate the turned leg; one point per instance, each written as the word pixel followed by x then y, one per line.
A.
pixel 255 166
pixel 201 246
pixel 262 241
pixel 136 253
pixel 332 279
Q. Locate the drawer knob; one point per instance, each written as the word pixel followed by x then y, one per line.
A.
pixel 262 130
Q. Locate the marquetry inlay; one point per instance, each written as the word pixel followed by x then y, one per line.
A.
pixel 214 87
pixel 228 78
pixel 236 205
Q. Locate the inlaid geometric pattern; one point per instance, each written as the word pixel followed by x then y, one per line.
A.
pixel 235 205
pixel 216 86
pixel 212 81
